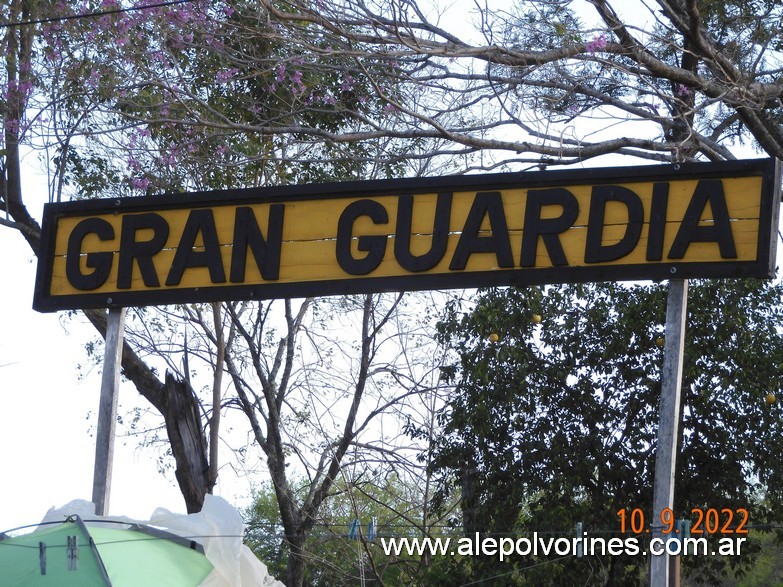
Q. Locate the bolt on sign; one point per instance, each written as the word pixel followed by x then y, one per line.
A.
pixel 628 223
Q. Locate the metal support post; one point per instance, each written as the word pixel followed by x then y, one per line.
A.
pixel 107 411
pixel 668 427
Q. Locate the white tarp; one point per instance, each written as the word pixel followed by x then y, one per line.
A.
pixel 218 527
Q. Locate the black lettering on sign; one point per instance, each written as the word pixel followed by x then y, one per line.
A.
pixel 440 234
pixel 99 262
pixel 266 252
pixel 708 191
pixel 595 250
pixel 547 229
pixel 485 205
pixel 199 222
pixel 140 251
pixel 373 245
pixel 657 226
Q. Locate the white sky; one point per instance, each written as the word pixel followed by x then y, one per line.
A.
pixel 47 453
pixel 46 448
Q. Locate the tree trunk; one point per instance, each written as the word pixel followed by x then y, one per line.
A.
pixel 188 442
pixel 294 573
pixel 468 484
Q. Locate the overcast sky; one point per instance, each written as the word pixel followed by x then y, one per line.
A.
pixel 48 414
pixel 47 450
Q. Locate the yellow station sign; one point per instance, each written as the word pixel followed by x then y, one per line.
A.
pixel 699 220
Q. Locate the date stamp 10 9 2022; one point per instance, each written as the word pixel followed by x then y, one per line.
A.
pixel 703 521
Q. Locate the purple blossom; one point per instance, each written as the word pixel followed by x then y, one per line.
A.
pixel 597 44
pixel 225 76
pixel 16 90
pixel 12 126
pixel 160 58
pixel 348 83
pixel 214 42
pixel 25 87
pixel 133 164
pixel 280 72
pixel 140 183
pixel 297 87
pixel 683 90
pixel 93 79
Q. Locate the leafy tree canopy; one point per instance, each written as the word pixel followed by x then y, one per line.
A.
pixel 555 422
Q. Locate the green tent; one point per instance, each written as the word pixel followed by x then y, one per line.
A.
pixel 70 553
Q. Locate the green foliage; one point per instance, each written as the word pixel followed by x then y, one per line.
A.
pixel 334 559
pixel 555 423
pixel 767 568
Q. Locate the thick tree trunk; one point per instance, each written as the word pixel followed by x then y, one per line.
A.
pixel 294 573
pixel 188 442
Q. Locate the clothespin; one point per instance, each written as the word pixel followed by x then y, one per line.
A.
pixel 682 529
pixel 42 556
pixel 353 531
pixel 73 554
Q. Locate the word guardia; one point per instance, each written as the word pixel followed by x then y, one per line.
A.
pixel 545 227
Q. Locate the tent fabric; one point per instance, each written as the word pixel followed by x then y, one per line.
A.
pixel 162 551
pixel 24 562
pixel 70 553
pixel 133 558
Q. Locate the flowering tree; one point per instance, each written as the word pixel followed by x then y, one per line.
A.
pixel 157 98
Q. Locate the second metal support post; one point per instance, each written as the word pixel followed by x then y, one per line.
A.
pixel 669 422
